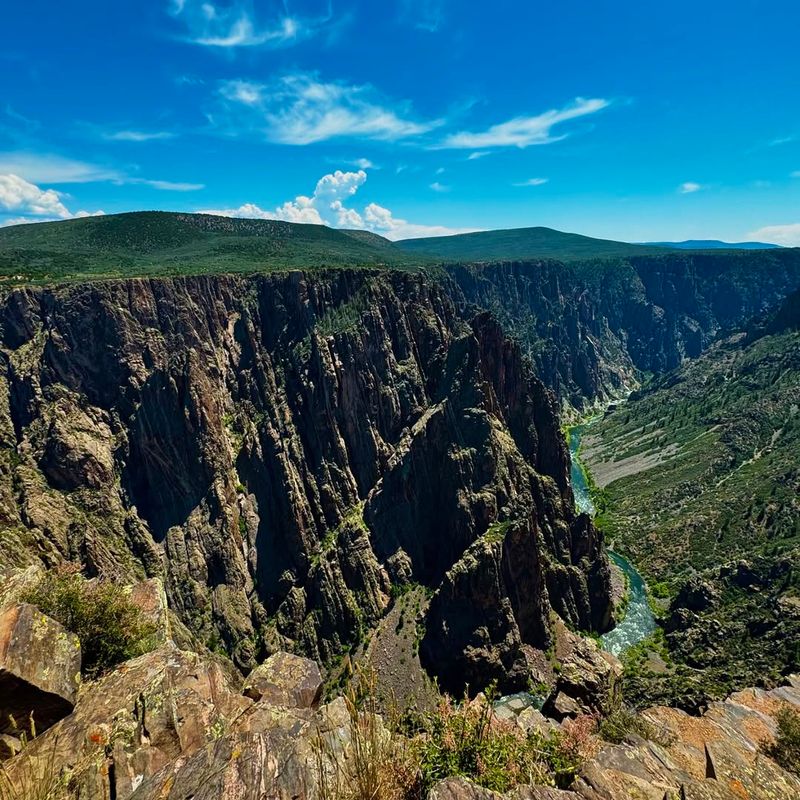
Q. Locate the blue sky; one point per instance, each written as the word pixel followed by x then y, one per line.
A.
pixel 628 120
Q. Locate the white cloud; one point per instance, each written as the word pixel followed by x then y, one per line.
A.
pixel 138 136
pixel 381 220
pixel 22 197
pixel 166 186
pixel 237 25
pixel 525 131
pixel 439 187
pixel 533 182
pixel 690 187
pixel 327 207
pixel 49 168
pixel 301 109
pixel 16 194
pixel 786 235
pixel 477 154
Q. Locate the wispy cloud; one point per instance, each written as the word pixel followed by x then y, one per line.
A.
pixel 440 187
pixel 533 182
pixel 478 154
pixel 166 186
pixel 689 187
pixel 425 15
pixel 326 206
pixel 302 109
pixel 138 136
pixel 19 196
pixel 525 131
pixel 786 235
pixel 238 25
pixel 49 168
pixel 795 174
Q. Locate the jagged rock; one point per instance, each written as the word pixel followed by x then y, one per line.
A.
pixel 278 467
pixel 40 666
pixel 286 680
pixel 588 681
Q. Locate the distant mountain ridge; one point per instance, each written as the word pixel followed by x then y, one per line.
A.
pixel 522 244
pixel 714 244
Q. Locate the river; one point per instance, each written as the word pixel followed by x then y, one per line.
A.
pixel 638 622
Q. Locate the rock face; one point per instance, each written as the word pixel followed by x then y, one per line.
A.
pixel 281 449
pixel 589 328
pixel 40 668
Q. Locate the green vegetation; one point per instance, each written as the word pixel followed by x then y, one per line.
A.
pixel 465 739
pixel 154 243
pixel 701 475
pixel 111 628
pixel 786 748
pixel 521 243
pixel 405 756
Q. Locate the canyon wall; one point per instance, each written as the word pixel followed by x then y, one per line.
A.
pixel 284 449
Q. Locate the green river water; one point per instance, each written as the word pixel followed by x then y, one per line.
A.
pixel 638 622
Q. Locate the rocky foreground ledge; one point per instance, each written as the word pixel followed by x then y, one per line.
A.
pixel 174 724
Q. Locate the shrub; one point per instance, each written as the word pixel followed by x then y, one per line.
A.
pixel 468 740
pixel 377 765
pixel 786 747
pixel 621 722
pixel 110 627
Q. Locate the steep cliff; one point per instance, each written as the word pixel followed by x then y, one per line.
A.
pixel 283 449
pixel 593 328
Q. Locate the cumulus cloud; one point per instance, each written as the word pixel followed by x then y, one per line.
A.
pixel 22 197
pixel 690 187
pixel 326 206
pixel 300 109
pixel 786 235
pixel 525 131
pixel 16 194
pixel 238 24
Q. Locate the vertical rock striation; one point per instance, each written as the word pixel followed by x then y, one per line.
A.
pixel 282 449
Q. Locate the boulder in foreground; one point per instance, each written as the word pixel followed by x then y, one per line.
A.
pixel 40 666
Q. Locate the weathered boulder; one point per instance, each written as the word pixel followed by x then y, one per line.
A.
pixel 285 680
pixel 587 682
pixel 40 666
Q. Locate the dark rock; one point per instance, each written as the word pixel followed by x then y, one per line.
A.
pixel 278 449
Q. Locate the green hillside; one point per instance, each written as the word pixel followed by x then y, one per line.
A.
pixel 699 484
pixel 520 244
pixel 164 243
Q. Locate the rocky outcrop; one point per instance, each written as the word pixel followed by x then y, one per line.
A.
pixel 281 449
pixel 175 724
pixel 40 670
